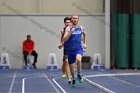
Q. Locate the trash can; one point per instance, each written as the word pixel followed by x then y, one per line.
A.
pixel 86 62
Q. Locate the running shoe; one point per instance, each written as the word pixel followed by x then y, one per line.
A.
pixel 63 76
pixel 73 83
pixel 69 82
pixel 80 78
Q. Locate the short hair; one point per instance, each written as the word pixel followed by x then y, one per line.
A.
pixel 67 18
pixel 28 35
pixel 75 15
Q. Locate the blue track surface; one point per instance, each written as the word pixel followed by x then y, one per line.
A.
pixel 42 81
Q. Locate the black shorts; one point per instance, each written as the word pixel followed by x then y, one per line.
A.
pixel 65 54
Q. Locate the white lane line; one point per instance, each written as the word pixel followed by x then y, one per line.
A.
pixel 119 74
pixel 54 79
pixel 6 77
pixel 101 75
pixel 123 81
pixel 11 86
pixel 98 86
pixel 23 82
pixel 51 82
pixel 23 85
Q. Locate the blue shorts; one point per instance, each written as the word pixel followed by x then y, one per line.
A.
pixel 72 55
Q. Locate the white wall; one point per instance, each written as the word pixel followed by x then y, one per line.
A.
pixel 69 6
pixel 13 30
pixel 51 6
pixel 24 6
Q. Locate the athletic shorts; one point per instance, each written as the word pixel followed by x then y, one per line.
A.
pixel 72 55
pixel 65 54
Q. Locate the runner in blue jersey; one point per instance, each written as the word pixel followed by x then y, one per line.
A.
pixel 73 36
pixel 65 66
